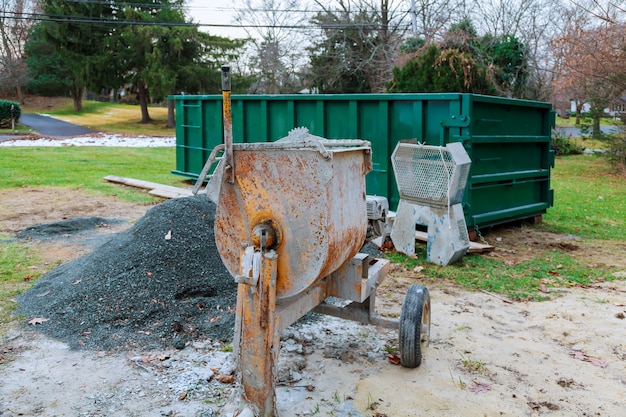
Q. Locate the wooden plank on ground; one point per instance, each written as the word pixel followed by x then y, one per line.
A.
pixel 167 193
pixel 475 247
pixel 160 190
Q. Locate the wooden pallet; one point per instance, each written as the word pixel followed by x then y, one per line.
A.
pixel 475 247
pixel 156 189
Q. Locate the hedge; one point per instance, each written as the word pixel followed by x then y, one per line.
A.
pixel 9 110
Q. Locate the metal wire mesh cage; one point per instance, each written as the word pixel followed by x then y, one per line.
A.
pixel 431 175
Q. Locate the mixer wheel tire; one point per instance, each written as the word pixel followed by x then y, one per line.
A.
pixel 414 325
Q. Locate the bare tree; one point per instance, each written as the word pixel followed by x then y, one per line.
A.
pixel 534 22
pixel 591 56
pixel 360 38
pixel 275 31
pixel 14 27
pixel 433 17
pixel 608 11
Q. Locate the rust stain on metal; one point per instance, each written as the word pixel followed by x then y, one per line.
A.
pixel 319 204
pixel 317 207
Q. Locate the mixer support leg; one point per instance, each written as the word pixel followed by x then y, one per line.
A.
pixel 259 338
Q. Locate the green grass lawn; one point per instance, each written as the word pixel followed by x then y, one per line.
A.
pixel 109 117
pixel 84 168
pixel 20 266
pixel 571 121
pixel 590 199
pixel 116 118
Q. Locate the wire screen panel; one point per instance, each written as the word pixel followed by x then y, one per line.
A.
pixel 424 173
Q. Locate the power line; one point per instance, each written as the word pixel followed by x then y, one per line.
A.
pixel 220 9
pixel 90 20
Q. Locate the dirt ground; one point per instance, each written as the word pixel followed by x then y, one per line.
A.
pixel 487 356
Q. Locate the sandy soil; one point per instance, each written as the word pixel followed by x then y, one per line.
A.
pixel 487 357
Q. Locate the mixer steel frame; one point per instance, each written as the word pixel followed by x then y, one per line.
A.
pixel 261 318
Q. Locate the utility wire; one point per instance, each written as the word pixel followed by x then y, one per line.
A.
pixel 219 9
pixel 91 20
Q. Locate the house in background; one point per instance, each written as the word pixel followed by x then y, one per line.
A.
pixel 616 109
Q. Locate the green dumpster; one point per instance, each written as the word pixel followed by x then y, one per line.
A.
pixel 508 140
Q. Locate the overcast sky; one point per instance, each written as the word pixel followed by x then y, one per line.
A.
pixel 215 12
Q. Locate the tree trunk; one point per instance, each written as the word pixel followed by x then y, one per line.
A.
pixel 142 92
pixel 597 111
pixel 171 120
pixel 20 95
pixel 595 132
pixel 77 96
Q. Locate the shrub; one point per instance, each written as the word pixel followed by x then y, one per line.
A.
pixel 617 152
pixel 9 110
pixel 565 145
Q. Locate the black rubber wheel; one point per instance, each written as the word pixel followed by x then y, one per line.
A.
pixel 414 325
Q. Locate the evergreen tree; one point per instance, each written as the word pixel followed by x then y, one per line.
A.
pixel 78 44
pixel 463 62
pixel 49 74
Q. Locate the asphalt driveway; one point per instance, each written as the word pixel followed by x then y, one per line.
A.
pixel 48 126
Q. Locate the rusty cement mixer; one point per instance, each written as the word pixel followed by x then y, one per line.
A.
pixel 291 217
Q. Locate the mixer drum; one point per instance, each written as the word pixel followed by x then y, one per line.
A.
pixel 312 194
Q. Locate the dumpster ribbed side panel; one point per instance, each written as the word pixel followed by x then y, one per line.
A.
pixel 508 141
pixel 510 147
pixel 197 121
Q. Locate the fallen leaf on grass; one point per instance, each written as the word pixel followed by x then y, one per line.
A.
pixel 393 359
pixel 595 362
pixel 543 288
pixel 225 379
pixel 37 320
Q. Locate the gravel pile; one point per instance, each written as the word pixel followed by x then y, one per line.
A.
pixel 158 284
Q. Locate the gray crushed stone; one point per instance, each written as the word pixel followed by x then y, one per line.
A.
pixel 139 290
pixel 68 226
